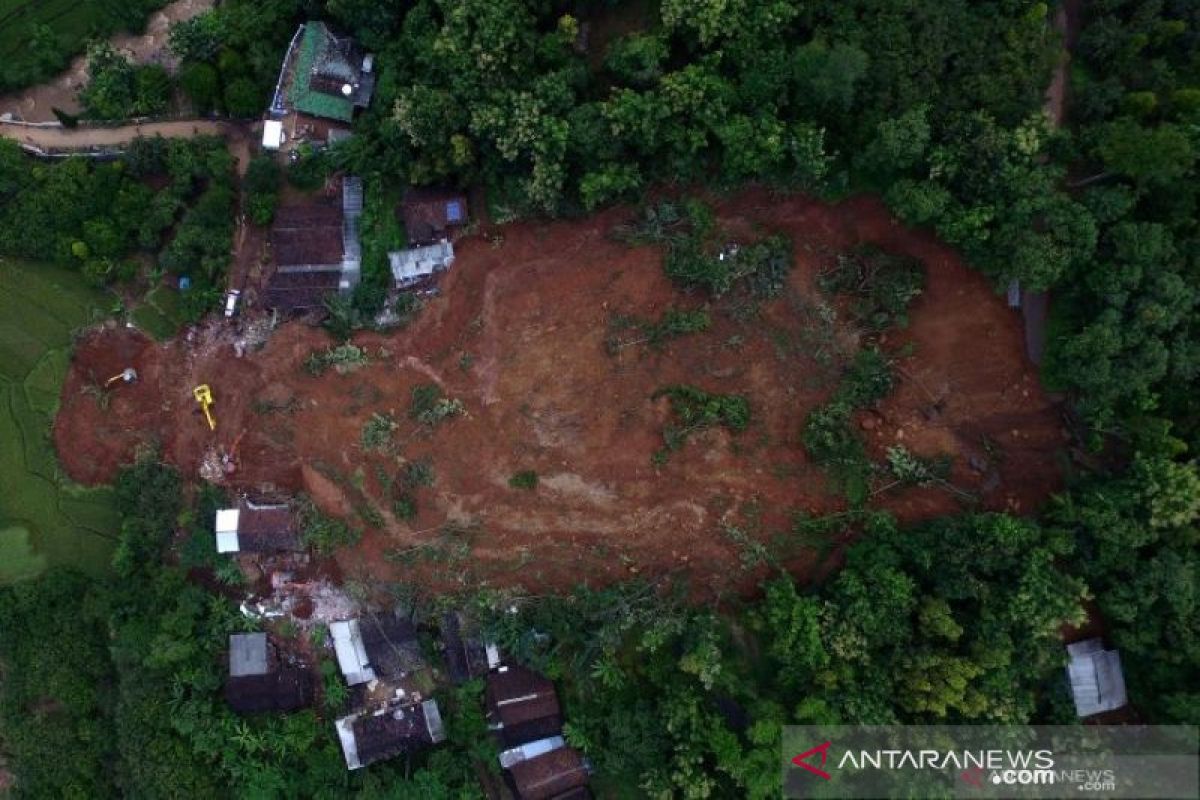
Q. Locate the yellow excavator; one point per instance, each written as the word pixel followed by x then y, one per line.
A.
pixel 203 395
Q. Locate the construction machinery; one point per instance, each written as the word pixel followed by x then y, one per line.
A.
pixel 127 375
pixel 203 395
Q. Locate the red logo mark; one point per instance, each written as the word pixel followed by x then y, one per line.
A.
pixel 823 750
pixel 973 777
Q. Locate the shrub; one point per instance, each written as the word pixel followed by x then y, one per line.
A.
pixel 525 479
pixel 882 285
pixel 405 507
pixel 429 407
pixel 417 474
pixel 377 432
pixel 323 533
pixel 694 409
pixel 343 358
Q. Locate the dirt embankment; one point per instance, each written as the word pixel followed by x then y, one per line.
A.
pixel 519 335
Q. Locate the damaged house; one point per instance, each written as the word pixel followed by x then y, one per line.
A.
pixel 259 681
pixel 376 647
pixel 467 655
pixel 431 215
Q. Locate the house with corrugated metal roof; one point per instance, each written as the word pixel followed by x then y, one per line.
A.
pixel 417 267
pixel 1094 673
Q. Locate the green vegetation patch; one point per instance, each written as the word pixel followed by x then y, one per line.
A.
pixel 44 520
pixel 694 410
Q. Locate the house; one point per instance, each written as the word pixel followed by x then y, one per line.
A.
pixel 370 736
pixel 558 774
pixel 415 267
pixel 316 250
pixel 521 706
pixel 430 215
pixel 466 655
pixel 253 528
pixel 376 647
pixel 258 682
pixel 1094 673
pixel 323 75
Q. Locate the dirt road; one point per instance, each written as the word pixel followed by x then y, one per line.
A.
pixel 56 138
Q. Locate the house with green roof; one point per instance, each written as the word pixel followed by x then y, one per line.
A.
pixel 323 75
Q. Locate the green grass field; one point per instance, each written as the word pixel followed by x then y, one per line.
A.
pixel 28 55
pixel 44 519
pixel 160 313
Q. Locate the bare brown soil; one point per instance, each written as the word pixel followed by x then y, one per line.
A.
pixel 519 337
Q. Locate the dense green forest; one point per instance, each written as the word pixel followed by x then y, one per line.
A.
pixel 106 218
pixel 937 106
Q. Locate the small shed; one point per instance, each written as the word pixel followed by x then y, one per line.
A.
pixel 416 266
pixel 1097 682
pixel 522 706
pixel 537 747
pixel 272 134
pixel 431 214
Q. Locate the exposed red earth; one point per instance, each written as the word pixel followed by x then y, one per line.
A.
pixel 519 336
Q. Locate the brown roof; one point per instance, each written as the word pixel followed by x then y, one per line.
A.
pixel 286 689
pixel 292 291
pixel 550 775
pixel 518 696
pixel 307 235
pixel 428 213
pixel 378 737
pixel 267 528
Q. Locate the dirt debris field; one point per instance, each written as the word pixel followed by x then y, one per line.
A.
pixel 519 336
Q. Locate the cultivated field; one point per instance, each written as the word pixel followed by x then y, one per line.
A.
pixel 539 334
pixel 44 520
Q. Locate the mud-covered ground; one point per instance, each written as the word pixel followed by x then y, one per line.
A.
pixel 521 336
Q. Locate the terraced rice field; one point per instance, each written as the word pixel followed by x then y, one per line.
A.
pixel 45 520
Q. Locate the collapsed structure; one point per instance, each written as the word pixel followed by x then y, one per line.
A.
pixel 430 217
pixel 380 657
pixel 260 681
